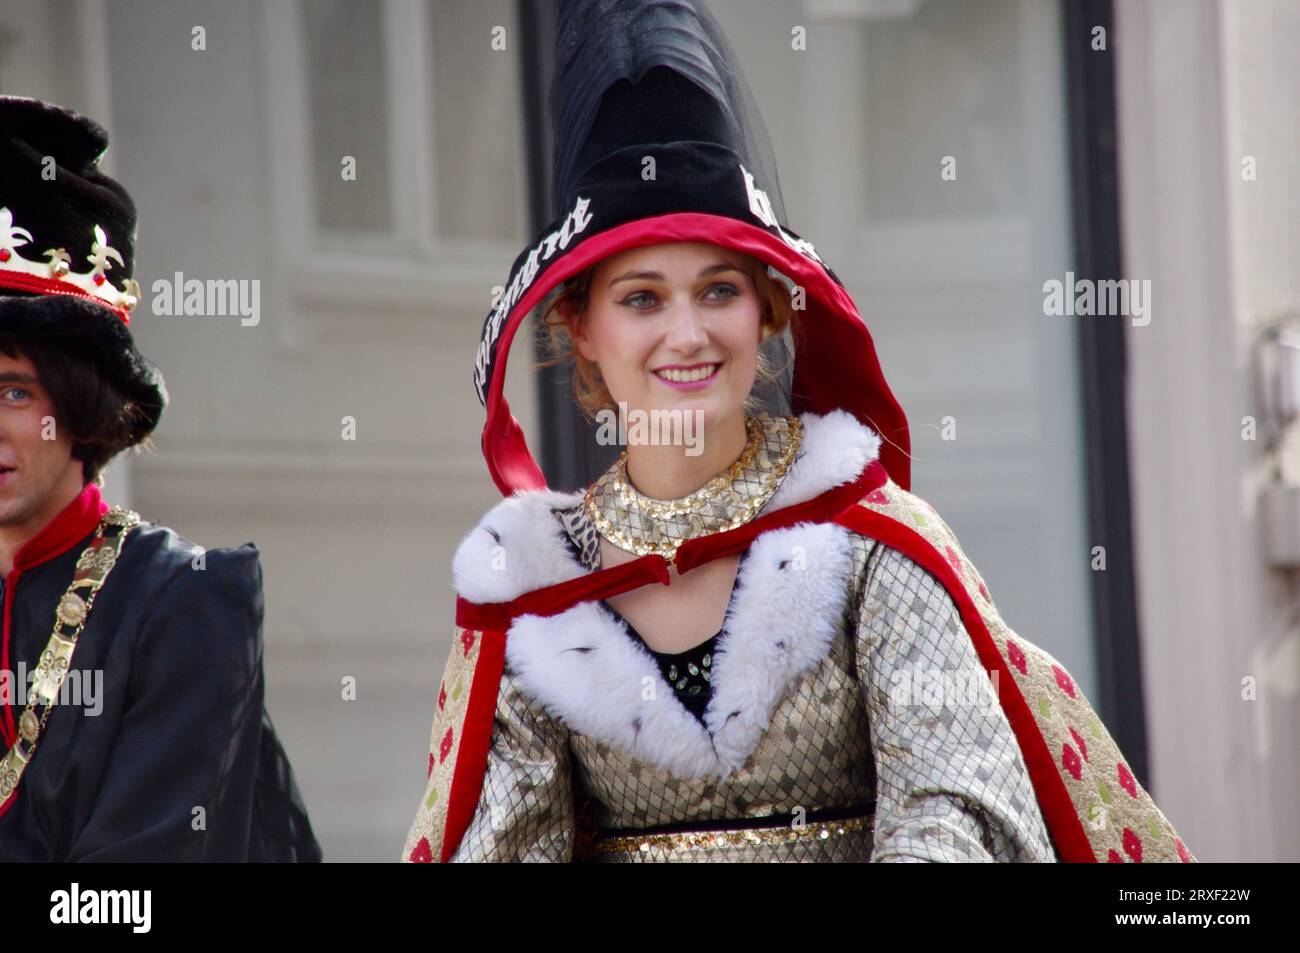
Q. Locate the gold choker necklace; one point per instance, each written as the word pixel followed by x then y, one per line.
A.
pixel 642 525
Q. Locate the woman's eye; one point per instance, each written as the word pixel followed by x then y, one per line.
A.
pixel 729 291
pixel 630 299
pixel 16 393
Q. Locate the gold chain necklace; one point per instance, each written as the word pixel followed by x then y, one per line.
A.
pixel 93 567
pixel 642 525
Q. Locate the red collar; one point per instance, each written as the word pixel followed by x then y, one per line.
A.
pixel 604 583
pixel 60 534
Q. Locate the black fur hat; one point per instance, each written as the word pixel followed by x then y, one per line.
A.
pixel 67 248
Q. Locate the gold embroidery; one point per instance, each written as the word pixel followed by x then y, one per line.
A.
pixel 425 839
pixel 694 840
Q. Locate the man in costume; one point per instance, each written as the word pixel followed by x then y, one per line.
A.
pixel 132 709
pixel 818 741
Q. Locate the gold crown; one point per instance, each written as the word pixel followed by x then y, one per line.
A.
pixel 55 274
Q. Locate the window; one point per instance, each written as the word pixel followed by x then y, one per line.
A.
pixel 395 136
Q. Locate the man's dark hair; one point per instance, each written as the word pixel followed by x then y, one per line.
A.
pixel 98 419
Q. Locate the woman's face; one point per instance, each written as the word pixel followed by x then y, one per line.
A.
pixel 683 305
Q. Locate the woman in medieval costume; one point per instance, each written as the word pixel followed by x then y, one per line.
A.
pixel 762 702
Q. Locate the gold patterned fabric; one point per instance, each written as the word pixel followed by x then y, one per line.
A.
pixel 1098 810
pixel 953 783
pixel 958 793
pixel 526 810
pixel 815 755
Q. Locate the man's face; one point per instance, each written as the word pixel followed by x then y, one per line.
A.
pixel 36 464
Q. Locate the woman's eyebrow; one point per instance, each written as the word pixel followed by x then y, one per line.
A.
pixel 17 377
pixel 658 276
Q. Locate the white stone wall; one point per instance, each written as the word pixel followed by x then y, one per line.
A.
pixel 1202 84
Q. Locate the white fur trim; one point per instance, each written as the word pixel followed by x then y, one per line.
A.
pixel 584 667
pixel 835 448
pixel 519 546
pixel 587 669
pixel 779 628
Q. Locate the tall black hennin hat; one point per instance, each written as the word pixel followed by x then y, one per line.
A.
pixel 657 78
pixel 67 248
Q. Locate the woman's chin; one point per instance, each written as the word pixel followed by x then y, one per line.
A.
pixel 699 403
pixel 709 415
pixel 709 406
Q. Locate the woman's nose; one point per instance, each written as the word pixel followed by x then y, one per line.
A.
pixel 686 331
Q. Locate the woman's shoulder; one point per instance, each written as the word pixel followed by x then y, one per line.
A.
pixel 517 546
pixel 919 534
pixel 834 448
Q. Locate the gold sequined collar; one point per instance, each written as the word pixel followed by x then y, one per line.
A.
pixel 643 525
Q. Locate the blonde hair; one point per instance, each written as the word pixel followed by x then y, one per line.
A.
pixel 589 390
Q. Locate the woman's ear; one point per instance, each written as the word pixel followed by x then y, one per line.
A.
pixel 577 335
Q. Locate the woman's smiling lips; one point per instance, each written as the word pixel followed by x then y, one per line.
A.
pixel 686 374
